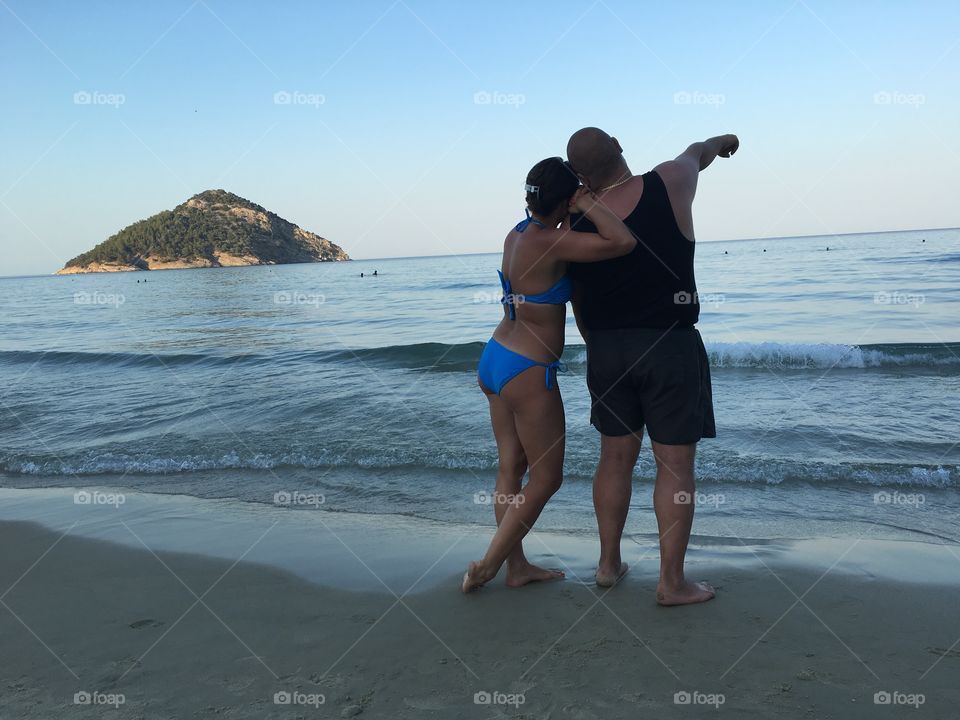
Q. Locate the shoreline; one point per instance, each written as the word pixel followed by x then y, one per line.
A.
pixel 798 632
pixel 372 552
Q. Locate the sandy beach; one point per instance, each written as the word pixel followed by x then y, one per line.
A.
pixel 813 633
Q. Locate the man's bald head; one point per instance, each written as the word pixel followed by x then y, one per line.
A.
pixel 596 156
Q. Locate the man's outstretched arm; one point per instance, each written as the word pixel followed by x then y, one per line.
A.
pixel 703 153
pixel 681 174
pixel 684 170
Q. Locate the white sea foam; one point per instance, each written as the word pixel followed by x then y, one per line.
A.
pixel 821 355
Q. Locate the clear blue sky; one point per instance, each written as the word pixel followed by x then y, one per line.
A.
pixel 399 158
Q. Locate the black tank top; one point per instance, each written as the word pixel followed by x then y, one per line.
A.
pixel 650 287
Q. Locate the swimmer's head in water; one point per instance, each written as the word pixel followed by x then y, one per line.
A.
pixel 550 184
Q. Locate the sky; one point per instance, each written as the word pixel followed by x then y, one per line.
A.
pixel 406 127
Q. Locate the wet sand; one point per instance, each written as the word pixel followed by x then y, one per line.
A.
pixel 177 635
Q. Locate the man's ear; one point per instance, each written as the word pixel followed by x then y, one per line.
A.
pixel 616 144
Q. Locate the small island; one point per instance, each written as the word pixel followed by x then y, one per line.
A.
pixel 214 228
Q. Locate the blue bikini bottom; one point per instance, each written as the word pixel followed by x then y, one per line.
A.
pixel 499 365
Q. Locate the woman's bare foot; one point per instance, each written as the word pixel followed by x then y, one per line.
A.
pixel 610 576
pixel 687 593
pixel 475 576
pixel 528 573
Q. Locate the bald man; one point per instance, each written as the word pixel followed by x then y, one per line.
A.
pixel 646 364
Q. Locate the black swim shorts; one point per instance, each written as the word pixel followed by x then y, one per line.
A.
pixel 654 378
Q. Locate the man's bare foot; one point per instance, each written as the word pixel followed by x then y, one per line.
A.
pixel 475 576
pixel 687 593
pixel 608 577
pixel 525 574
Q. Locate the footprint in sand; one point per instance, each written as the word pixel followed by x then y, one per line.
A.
pixel 331 683
pixel 146 623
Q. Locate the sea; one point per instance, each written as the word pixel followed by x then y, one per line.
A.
pixel 835 363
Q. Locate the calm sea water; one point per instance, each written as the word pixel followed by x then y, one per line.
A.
pixel 836 379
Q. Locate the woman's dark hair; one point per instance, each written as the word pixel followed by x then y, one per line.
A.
pixel 549 183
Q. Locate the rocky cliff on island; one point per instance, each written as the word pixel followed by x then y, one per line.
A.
pixel 214 228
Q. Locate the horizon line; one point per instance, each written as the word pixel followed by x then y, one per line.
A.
pixel 711 242
pixel 494 252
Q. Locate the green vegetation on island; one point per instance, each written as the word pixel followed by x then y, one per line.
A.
pixel 208 226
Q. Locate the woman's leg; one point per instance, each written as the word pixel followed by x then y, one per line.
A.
pixel 540 426
pixel 510 471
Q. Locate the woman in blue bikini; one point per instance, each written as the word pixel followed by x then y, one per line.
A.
pixel 518 367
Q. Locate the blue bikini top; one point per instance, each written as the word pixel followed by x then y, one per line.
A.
pixel 559 294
